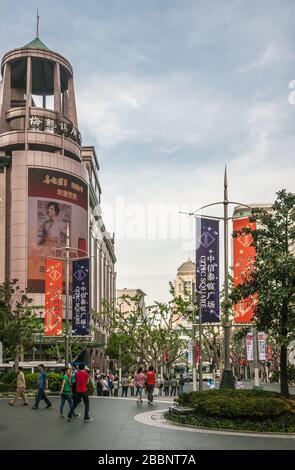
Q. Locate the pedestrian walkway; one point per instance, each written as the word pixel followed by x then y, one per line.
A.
pixel 114 427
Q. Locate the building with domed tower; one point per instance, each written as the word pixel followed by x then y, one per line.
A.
pixel 48 180
pixel 186 278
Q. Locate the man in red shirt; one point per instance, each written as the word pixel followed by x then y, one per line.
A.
pixel 151 381
pixel 81 379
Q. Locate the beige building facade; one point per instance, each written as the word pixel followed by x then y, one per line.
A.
pixel 43 170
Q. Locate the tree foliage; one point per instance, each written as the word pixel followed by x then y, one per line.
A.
pixel 271 276
pixel 17 319
pixel 147 333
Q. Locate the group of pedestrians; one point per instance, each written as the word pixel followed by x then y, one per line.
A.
pixel 74 389
pixel 106 384
pixel 173 386
pixel 145 380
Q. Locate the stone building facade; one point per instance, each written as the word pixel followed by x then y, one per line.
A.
pixel 47 178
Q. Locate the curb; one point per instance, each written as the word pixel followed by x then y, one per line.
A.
pixel 156 418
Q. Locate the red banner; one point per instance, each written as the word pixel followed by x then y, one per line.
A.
pixel 244 255
pixel 53 298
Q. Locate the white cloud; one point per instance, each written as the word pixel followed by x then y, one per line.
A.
pixel 171 109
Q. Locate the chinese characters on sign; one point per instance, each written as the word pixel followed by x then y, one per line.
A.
pixel 249 346
pixel 39 123
pixel 56 199
pixel 80 298
pixel 207 268
pixel 261 345
pixel 53 298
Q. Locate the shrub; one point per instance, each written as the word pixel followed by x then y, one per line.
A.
pixel 235 404
pixel 54 381
pixel 255 410
pixel 5 387
pixel 9 378
pixel 31 380
pixel 90 388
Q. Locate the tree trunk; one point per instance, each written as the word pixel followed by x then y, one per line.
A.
pixel 16 360
pixel 283 352
pixel 284 372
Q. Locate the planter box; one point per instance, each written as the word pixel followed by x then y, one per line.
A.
pixel 180 411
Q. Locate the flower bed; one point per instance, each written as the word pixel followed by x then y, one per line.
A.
pixel 251 410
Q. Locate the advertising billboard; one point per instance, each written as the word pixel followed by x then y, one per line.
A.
pixel 80 298
pixel 244 254
pixel 55 199
pixel 53 298
pixel 207 268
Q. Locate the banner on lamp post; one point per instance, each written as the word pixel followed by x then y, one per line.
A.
pixel 80 298
pixel 244 255
pixel 53 298
pixel 207 268
pixel 261 346
pixel 249 347
pixel 269 352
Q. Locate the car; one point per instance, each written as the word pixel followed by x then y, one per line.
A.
pixel 188 377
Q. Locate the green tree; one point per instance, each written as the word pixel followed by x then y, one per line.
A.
pixel 150 331
pixel 271 276
pixel 17 320
pixel 124 343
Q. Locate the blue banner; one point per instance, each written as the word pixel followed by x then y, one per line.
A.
pixel 207 268
pixel 80 298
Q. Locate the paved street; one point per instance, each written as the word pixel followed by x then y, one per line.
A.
pixel 248 385
pixel 114 427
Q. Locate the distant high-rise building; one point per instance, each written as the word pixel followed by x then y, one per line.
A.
pixel 127 305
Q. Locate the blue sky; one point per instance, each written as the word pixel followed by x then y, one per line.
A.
pixel 170 91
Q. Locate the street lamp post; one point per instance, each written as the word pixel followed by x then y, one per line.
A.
pixel 196 321
pixel 227 380
pixel 40 315
pixel 67 295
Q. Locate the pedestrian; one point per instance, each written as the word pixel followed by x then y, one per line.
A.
pixel 131 385
pixel 116 385
pixel 82 379
pixel 20 388
pixel 150 384
pixel 105 386
pixel 65 391
pixel 139 382
pixel 125 385
pixel 98 379
pixel 42 386
pixel 166 386
pixel 181 385
pixel 173 386
pixel 160 385
pixel 110 384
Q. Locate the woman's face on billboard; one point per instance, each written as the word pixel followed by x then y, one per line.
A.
pixel 51 211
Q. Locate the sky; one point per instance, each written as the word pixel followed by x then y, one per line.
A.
pixel 169 92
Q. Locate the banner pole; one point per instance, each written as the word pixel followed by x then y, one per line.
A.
pixel 67 295
pixel 227 380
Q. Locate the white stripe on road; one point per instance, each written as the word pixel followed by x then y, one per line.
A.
pixel 156 418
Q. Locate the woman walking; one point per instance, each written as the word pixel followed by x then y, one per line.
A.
pixel 139 383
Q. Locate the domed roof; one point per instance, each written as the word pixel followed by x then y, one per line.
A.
pixel 189 267
pixel 36 44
